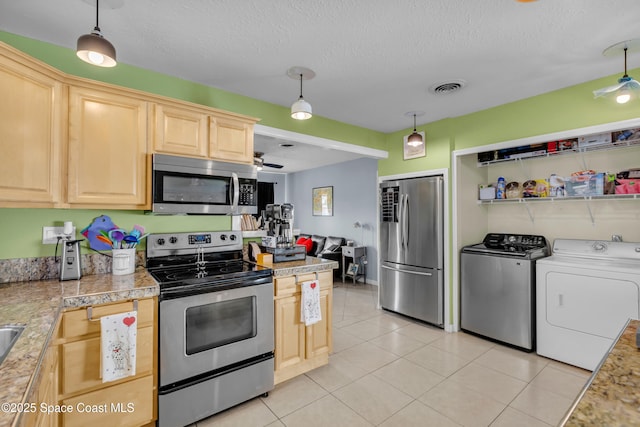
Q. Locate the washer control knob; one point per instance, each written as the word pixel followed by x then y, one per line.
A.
pixel 223 237
pixel 232 237
pixel 160 241
pixel 638 249
pixel 599 247
pixel 173 240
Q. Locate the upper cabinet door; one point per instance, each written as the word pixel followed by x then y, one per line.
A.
pixel 180 131
pixel 30 136
pixel 231 139
pixel 107 150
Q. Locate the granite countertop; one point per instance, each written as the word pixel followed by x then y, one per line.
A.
pixel 308 265
pixel 612 395
pixel 38 305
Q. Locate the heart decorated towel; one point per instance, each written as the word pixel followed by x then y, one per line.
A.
pixel 310 307
pixel 118 345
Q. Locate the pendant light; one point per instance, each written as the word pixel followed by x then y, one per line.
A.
pixel 301 109
pixel 94 48
pixel 627 85
pixel 415 139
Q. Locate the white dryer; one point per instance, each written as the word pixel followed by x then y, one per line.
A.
pixel 585 293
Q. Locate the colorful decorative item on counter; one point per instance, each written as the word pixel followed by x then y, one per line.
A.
pixel 94 233
pixel 104 235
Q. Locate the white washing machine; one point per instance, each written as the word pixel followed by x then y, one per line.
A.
pixel 585 293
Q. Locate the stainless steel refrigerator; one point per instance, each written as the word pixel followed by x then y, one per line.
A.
pixel 412 248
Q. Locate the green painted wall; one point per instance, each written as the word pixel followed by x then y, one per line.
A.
pixel 21 229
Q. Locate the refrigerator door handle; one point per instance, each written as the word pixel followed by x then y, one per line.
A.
pixel 401 220
pixel 405 222
pixel 419 273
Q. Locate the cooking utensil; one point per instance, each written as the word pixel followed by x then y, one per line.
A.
pixel 116 235
pixel 130 240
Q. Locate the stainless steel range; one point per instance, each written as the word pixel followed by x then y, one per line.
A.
pixel 216 331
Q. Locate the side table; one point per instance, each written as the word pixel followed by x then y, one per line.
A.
pixel 358 256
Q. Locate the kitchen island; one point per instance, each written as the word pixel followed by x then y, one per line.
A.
pixel 611 397
pixel 38 305
pixel 300 348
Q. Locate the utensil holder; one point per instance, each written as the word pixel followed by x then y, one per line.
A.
pixel 124 261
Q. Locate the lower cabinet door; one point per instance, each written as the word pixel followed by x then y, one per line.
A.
pixel 81 361
pixel 319 335
pixel 290 333
pixel 126 404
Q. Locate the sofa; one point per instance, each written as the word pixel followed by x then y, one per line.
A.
pixel 329 247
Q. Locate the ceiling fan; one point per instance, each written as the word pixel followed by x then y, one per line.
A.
pixel 626 84
pixel 259 161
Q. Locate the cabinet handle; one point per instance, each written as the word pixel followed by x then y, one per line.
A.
pixel 295 276
pixel 560 300
pixel 90 311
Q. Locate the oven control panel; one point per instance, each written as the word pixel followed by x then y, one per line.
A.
pixel 199 239
pixel 163 244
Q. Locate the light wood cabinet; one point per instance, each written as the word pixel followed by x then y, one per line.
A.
pixel 72 142
pixel 129 401
pixel 300 348
pixel 30 133
pixel 231 139
pixel 180 131
pixel 45 393
pixel 107 150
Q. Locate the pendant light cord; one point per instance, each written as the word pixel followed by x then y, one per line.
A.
pixel 414 122
pixel 97 28
pixel 301 86
pixel 625 63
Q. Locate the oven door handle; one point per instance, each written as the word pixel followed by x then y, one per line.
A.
pixel 234 192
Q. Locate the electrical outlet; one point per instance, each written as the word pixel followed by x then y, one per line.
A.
pixel 50 234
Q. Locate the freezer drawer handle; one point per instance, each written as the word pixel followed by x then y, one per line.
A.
pixel 407 271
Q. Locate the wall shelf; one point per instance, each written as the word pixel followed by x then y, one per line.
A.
pixel 560 199
pixel 579 150
pixel 526 202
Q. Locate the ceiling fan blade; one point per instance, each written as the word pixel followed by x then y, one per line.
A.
pixel 273 165
pixel 607 90
pixel 630 84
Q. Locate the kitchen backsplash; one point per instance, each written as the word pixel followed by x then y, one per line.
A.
pixel 47 268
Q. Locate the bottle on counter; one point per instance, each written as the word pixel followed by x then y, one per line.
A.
pixel 500 188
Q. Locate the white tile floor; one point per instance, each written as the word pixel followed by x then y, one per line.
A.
pixel 387 370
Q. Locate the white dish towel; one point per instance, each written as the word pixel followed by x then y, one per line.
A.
pixel 310 307
pixel 118 345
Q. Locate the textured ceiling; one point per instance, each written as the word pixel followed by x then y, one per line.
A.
pixel 374 59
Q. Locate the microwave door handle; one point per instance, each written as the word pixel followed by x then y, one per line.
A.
pixel 234 192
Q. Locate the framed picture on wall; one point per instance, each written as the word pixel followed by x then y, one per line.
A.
pixel 322 201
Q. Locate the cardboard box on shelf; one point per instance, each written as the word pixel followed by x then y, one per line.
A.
pixel 487 193
pixel 594 140
pixel 584 185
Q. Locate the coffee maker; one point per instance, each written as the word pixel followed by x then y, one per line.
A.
pixel 279 224
pixel 70 265
pixel 280 240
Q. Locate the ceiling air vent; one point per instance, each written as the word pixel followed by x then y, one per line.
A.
pixel 445 88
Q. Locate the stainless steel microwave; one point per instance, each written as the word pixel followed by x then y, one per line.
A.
pixel 185 185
